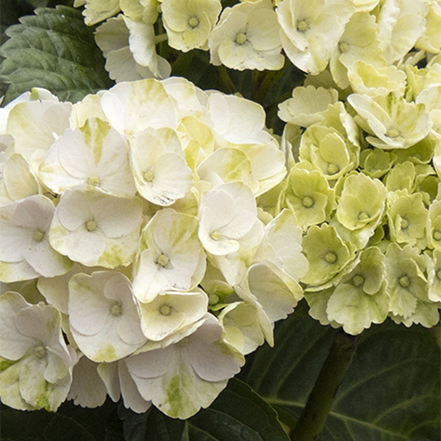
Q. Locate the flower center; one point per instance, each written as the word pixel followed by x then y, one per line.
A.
pixel 363 215
pixel 193 22
pixel 93 180
pixel 241 38
pixel 162 260
pixel 331 257
pixel 38 235
pixel 333 169
pixel 344 47
pixel 307 202
pixel 165 310
pixel 404 281
pixel 40 352
pixel 302 25
pixel 213 299
pixel 216 235
pixel 393 133
pixel 148 176
pixel 116 309
pixel 404 223
pixel 436 235
pixel 357 280
pixel 91 226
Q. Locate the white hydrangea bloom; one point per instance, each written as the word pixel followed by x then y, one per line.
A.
pixel 103 316
pixel 172 257
pixel 26 252
pixel 96 154
pixel 310 31
pixel 87 388
pixel 161 173
pixel 183 377
pixel 227 213
pixel 189 22
pixel 36 371
pixel 307 105
pixel 170 312
pixel 95 228
pixel 134 106
pixel 35 125
pixel 130 50
pixel 119 383
pixel 247 37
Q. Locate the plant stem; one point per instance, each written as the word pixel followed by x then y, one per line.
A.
pixel 321 398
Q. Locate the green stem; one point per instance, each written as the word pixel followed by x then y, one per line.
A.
pixel 225 78
pixel 321 398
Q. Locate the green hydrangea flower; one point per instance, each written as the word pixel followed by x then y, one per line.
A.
pixel 376 163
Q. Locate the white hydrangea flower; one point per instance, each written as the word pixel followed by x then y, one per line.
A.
pixel 307 105
pixel 310 31
pixel 95 228
pixel 96 154
pixel 227 213
pixel 185 376
pixel 170 312
pixel 134 106
pixel 98 10
pixel 103 316
pixel 26 252
pixel 18 181
pixel 119 383
pixel 247 37
pixel 36 371
pixel 161 173
pixel 35 125
pixel 189 22
pixel 172 257
pixel 87 388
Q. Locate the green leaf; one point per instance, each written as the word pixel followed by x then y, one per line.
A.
pixel 69 423
pixel 391 391
pixel 238 414
pixel 152 426
pixel 53 49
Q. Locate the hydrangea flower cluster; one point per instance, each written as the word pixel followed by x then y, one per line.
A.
pixel 251 34
pixel 135 260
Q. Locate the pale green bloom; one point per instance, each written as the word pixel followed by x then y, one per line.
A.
pixel 98 10
pixel 376 163
pixel 407 218
pixel 434 275
pixel 393 121
pixel 308 195
pixel 367 79
pixel 327 255
pixel 328 150
pixel 360 298
pixel 406 282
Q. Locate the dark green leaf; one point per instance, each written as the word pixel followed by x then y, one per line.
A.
pixel 391 391
pixel 238 414
pixel 69 423
pixel 53 49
